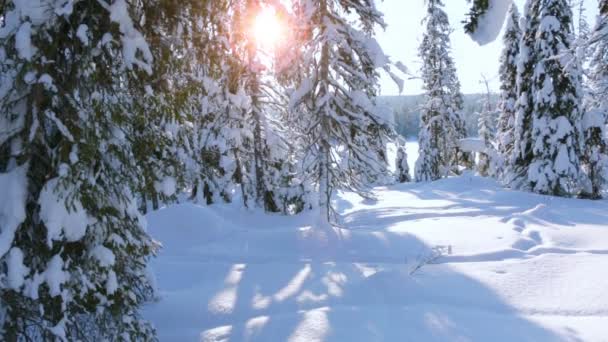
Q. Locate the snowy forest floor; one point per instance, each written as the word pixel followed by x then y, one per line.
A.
pixel 517 267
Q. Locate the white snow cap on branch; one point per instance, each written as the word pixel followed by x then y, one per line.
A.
pixel 490 23
pixel 132 40
pixel 12 205
pixel 60 220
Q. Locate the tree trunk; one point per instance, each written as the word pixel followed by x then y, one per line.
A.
pixel 325 189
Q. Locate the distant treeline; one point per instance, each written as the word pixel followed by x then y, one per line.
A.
pixel 407 112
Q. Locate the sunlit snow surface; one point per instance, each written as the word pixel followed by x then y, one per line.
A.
pixel 522 267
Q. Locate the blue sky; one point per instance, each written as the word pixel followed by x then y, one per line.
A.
pixel 402 37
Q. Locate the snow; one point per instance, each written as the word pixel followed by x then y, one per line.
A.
pixel 23 42
pixel 17 271
pixel 516 266
pixel 306 86
pixel 61 221
pixel 111 283
pixel 167 186
pixel 491 22
pixel 12 205
pixel 47 81
pixel 592 118
pixel 60 126
pixel 83 34
pixel 59 330
pixel 550 23
pixel 379 59
pixel 104 256
pixel 472 145
pixel 135 50
pixel 55 276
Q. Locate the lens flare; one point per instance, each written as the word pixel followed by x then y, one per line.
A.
pixel 268 29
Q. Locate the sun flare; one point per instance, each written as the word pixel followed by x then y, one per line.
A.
pixel 268 29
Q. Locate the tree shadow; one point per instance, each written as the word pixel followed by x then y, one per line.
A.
pixel 289 284
pixel 344 299
pixel 485 199
pixel 337 302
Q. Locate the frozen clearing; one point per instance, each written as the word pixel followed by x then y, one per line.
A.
pixel 522 267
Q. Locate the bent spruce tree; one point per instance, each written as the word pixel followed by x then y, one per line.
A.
pixel 337 95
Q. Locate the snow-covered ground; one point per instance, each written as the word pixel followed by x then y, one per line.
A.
pixel 516 267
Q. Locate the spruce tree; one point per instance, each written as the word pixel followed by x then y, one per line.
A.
pixel 460 158
pixel 337 95
pixel 487 159
pixel 441 123
pixel 508 88
pixel 266 165
pixel 165 104
pixel 233 108
pixel 595 156
pixel 547 145
pixel 402 171
pixel 219 142
pixel 75 249
pixel 521 156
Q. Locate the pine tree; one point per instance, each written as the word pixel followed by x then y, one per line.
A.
pixel 74 251
pixel 595 153
pixel 508 88
pixel 338 96
pixel 547 138
pixel 442 124
pixel 402 171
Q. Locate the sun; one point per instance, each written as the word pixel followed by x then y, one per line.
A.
pixel 268 29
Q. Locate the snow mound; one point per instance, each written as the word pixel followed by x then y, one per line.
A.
pixel 200 223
